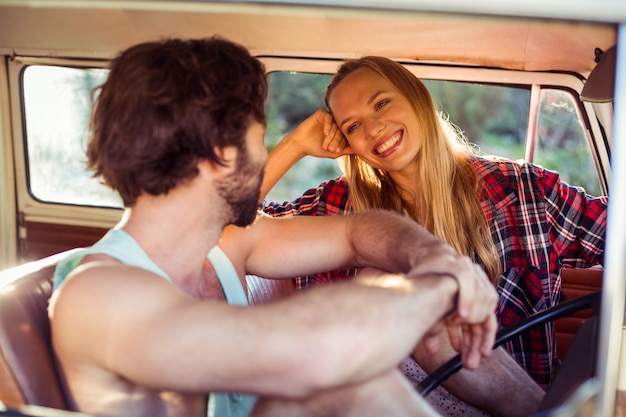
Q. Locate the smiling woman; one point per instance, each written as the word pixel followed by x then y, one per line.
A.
pixel 520 222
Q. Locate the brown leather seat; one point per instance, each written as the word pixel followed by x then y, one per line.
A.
pixel 575 282
pixel 27 371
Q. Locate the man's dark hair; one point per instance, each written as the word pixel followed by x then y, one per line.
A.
pixel 167 105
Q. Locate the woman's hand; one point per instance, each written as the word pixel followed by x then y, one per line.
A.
pixel 319 136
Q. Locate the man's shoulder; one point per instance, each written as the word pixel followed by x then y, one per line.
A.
pixel 115 246
pixel 100 272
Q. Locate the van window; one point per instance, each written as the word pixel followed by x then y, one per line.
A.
pixel 293 97
pixel 561 144
pixel 57 105
pixel 493 117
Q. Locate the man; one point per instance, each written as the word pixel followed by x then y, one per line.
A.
pixel 139 322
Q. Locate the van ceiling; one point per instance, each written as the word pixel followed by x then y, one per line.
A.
pixel 99 31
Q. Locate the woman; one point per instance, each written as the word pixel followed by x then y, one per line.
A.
pixel 520 221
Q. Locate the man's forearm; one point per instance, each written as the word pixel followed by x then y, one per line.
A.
pixel 393 242
pixel 399 311
pixel 399 244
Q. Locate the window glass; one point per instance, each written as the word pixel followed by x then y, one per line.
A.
pixel 57 104
pixel 561 144
pixel 493 117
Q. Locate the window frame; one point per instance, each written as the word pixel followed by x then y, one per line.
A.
pixel 31 209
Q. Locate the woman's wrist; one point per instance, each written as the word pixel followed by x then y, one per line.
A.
pixel 291 148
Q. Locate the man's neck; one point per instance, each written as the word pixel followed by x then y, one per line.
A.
pixel 176 233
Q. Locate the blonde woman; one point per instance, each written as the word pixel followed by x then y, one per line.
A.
pixel 518 220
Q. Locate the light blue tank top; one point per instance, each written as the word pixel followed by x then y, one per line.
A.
pixel 120 245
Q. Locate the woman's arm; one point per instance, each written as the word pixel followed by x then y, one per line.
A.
pixel 317 136
pixel 577 220
pixel 498 386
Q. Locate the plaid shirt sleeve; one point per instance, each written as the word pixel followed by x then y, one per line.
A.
pixel 577 222
pixel 539 224
pixel 327 199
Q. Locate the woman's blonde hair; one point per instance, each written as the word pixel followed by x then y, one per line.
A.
pixel 448 204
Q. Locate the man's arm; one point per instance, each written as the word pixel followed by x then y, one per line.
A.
pixel 291 246
pixel 111 318
pixel 288 247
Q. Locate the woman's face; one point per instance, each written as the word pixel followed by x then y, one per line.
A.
pixel 378 122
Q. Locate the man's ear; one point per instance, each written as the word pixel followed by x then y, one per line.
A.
pixel 228 155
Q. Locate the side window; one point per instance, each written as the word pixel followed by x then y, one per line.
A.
pixel 293 97
pixel 561 144
pixel 57 105
pixel 494 117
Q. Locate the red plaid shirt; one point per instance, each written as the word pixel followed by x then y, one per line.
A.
pixel 538 224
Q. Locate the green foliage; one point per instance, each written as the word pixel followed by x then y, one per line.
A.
pixel 482 110
pixel 495 118
pixel 293 97
pixel 561 142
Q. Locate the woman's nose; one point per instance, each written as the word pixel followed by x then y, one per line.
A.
pixel 375 127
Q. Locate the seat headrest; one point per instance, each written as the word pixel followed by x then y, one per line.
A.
pixel 27 370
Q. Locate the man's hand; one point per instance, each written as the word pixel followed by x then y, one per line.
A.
pixel 472 324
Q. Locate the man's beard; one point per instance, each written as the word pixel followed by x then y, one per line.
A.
pixel 241 190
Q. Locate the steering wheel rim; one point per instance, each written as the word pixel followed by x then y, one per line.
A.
pixel 591 300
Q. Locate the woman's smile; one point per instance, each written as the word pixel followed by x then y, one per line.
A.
pixel 389 144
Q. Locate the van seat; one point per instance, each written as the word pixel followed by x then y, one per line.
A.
pixel 27 371
pixel 575 282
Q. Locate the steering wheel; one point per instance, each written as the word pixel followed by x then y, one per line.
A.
pixel 591 300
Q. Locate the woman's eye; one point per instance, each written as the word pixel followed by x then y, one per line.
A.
pixel 381 104
pixel 352 128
